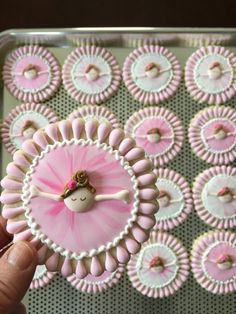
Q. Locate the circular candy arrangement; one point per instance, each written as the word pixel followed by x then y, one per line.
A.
pixel 42 277
pixel 212 135
pixel 92 284
pixel 91 75
pixel 214 194
pixel 32 74
pixel 158 131
pixel 100 113
pixel 213 261
pixel 104 196
pixel 161 267
pixel 210 75
pixel 152 74
pixel 22 122
pixel 174 199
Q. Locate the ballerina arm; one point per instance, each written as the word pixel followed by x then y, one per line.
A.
pixel 34 191
pixel 122 195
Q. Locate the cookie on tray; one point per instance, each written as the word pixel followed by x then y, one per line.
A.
pixel 148 39
pixel 161 267
pixel 212 135
pixel 213 261
pixel 158 131
pixel 87 200
pixel 32 74
pixel 210 75
pixel 203 40
pixel 91 75
pixel 214 195
pixel 152 74
pixel 22 122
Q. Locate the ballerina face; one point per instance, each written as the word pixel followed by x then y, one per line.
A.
pixel 80 200
pixel 154 135
pixel 215 72
pixel 220 133
pixel 156 264
pixel 30 72
pixel 225 195
pixel 164 199
pixel 224 262
pixel 92 73
pixel 152 70
pixel 28 132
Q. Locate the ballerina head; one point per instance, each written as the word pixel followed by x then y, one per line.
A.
pixel 215 71
pixel 220 132
pixel 154 135
pixel 164 199
pixel 224 262
pixel 156 264
pixel 30 72
pixel 152 70
pixel 28 129
pixel 225 195
pixel 91 72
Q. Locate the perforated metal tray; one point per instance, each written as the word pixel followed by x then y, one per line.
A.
pixel 59 297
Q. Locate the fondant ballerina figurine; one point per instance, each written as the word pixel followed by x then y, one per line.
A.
pixel 152 70
pixel 27 130
pixel 225 195
pixel 79 195
pixel 92 73
pixel 30 72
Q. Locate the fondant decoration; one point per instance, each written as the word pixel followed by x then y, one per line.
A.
pixel 214 194
pixel 92 284
pixel 200 40
pixel 42 277
pixel 32 74
pixel 212 135
pixel 91 75
pixel 158 131
pixel 100 113
pixel 161 267
pixel 152 74
pixel 83 193
pixel 22 122
pixel 139 40
pixel 213 260
pixel 174 199
pixel 210 75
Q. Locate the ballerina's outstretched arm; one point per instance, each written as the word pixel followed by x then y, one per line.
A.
pixel 120 196
pixel 34 191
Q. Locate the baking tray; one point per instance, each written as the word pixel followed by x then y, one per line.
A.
pixel 59 297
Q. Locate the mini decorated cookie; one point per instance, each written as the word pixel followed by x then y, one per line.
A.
pixel 152 74
pixel 212 135
pixel 213 261
pixel 42 277
pixel 200 40
pixel 158 131
pixel 22 122
pixel 210 75
pixel 174 199
pixel 91 75
pixel 32 74
pixel 83 193
pixel 92 284
pixel 100 113
pixel 214 194
pixel 161 267
pixel 139 40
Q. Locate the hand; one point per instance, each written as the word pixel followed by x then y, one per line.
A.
pixel 17 267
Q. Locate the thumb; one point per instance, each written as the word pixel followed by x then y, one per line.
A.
pixel 17 267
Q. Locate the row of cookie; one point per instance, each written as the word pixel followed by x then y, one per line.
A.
pixel 162 266
pixel 91 75
pixel 212 132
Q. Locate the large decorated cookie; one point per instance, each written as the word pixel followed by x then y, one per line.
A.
pixel 148 39
pixel 158 131
pixel 161 267
pixel 32 74
pixel 42 277
pixel 213 261
pixel 214 194
pixel 212 135
pixel 152 74
pixel 101 113
pixel 83 193
pixel 91 75
pixel 22 122
pixel 174 199
pixel 93 284
pixel 210 75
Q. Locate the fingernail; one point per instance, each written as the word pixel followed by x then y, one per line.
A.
pixel 20 255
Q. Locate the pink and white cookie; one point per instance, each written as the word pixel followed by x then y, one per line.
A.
pixel 91 75
pixel 213 261
pixel 174 199
pixel 199 40
pixel 83 193
pixel 139 40
pixel 161 267
pixel 214 195
pixel 212 135
pixel 22 122
pixel 158 131
pixel 101 113
pixel 32 74
pixel 42 277
pixel 210 75
pixel 92 284
pixel 152 74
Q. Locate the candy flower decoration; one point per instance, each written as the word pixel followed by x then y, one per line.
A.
pixel 85 178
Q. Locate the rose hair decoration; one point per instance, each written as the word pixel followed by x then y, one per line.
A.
pixel 83 193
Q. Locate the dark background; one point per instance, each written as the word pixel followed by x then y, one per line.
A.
pixel 102 13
